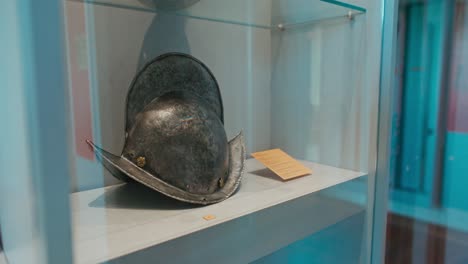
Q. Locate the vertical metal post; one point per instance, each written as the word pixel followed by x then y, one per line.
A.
pixel 390 17
pixel 49 126
pixel 34 188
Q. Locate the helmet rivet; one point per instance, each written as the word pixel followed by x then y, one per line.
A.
pixel 221 182
pixel 141 161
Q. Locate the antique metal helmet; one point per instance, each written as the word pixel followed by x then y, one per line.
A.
pixel 175 142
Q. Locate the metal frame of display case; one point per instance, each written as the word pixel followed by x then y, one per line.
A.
pixel 35 212
pixel 40 75
pixel 389 32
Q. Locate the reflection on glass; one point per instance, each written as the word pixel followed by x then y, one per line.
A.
pixel 428 206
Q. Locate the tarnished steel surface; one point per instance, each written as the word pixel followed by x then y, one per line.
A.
pixel 182 141
pixel 169 72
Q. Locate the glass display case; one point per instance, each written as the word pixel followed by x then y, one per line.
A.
pixel 297 75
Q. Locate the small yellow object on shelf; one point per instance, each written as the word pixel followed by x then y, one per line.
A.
pixel 209 217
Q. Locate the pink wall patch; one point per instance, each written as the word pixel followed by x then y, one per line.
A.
pixel 79 78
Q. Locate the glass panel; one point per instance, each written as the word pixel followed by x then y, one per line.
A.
pixel 257 13
pixel 131 127
pixel 299 89
pixel 428 212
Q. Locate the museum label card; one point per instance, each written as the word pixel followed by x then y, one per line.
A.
pixel 282 164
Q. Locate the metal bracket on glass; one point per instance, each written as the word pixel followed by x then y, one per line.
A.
pixel 349 16
pixel 281 27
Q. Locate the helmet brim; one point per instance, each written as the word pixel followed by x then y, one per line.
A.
pixel 117 165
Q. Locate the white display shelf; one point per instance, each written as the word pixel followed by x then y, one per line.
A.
pixel 2 258
pixel 131 223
